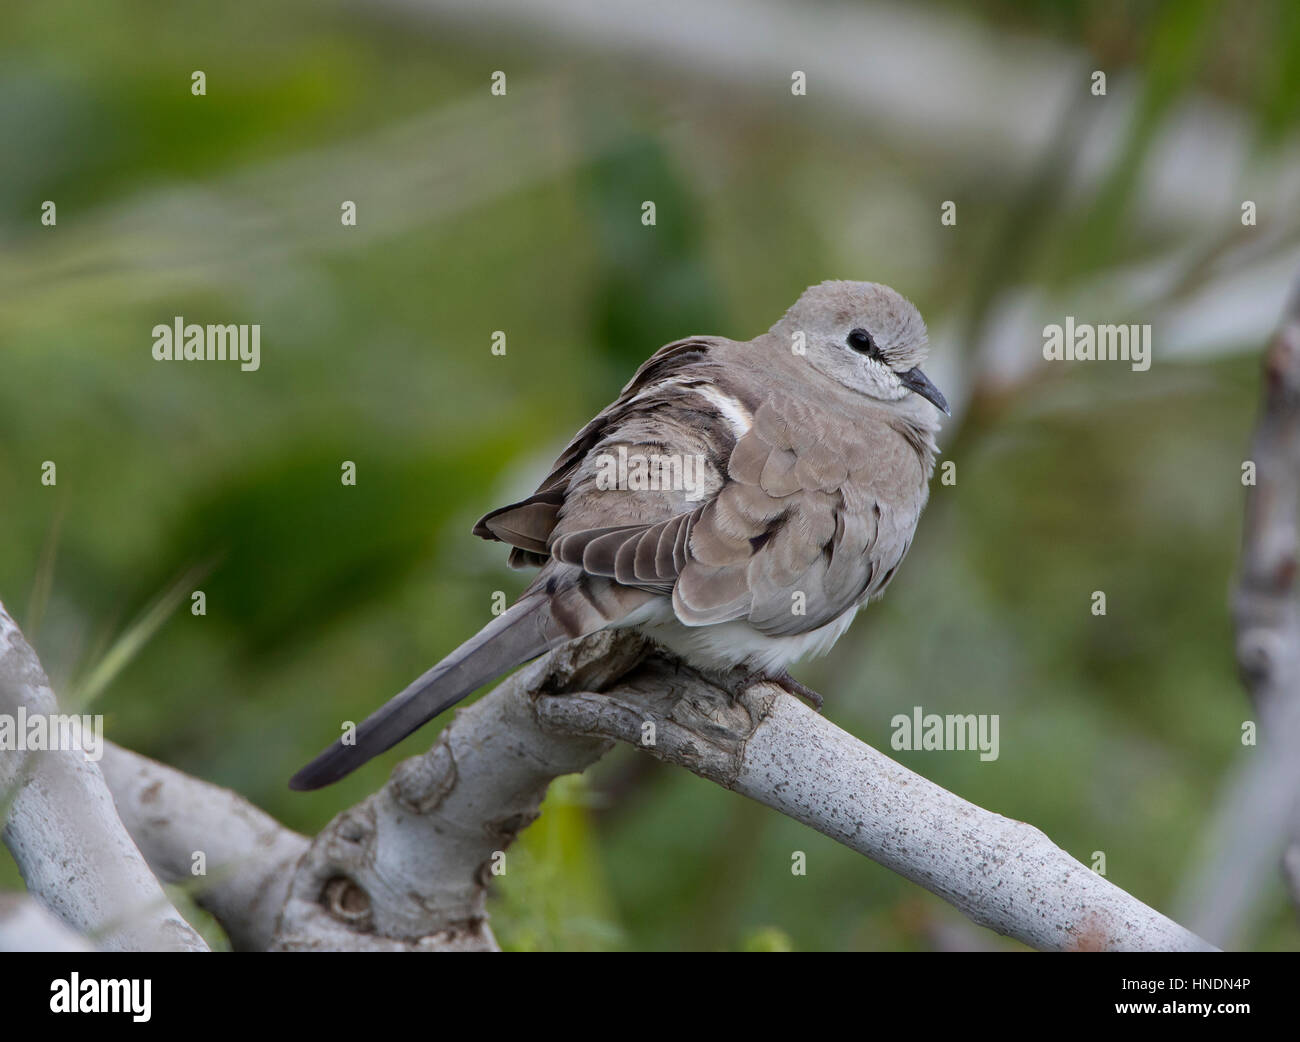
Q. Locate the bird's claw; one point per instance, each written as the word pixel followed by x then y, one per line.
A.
pixel 787 683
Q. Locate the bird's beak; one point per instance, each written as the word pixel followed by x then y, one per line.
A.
pixel 915 380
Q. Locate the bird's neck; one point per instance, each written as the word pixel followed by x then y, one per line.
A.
pixel 919 434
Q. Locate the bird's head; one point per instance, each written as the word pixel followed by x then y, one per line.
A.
pixel 864 336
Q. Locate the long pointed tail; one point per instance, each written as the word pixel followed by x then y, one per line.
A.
pixel 522 632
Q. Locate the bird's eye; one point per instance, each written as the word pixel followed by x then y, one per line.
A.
pixel 860 340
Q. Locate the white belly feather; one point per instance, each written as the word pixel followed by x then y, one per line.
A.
pixel 725 645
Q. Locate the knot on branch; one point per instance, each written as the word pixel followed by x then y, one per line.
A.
pixel 1259 651
pixel 409 867
pixel 1282 364
pixel 591 663
pixel 421 783
pixel 347 901
pixel 670 711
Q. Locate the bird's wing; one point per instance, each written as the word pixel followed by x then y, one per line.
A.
pixel 649 409
pixel 817 513
pixel 802 512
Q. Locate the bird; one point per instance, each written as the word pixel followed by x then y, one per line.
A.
pixel 738 503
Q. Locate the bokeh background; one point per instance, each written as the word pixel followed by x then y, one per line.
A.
pixel 522 213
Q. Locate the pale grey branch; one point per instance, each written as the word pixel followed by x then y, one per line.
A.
pixel 64 832
pixel 408 868
pixel 1256 817
pixel 243 857
pixel 767 745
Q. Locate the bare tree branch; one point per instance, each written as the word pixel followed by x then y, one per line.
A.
pixel 1258 812
pixel 769 746
pixel 1266 612
pixel 407 868
pixel 248 857
pixel 64 833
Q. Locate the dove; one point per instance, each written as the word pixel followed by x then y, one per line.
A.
pixel 738 503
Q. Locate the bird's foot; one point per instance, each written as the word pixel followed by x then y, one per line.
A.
pixel 786 682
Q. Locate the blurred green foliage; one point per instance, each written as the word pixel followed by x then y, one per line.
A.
pixel 322 600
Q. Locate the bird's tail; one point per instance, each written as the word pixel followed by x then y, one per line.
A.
pixel 525 630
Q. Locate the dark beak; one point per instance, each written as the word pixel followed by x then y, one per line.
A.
pixel 915 380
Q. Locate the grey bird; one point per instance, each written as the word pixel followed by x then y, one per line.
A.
pixel 738 503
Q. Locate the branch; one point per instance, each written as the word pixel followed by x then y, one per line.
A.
pixel 1258 812
pixel 767 745
pixel 407 868
pixel 248 856
pixel 64 832
pixel 1265 612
